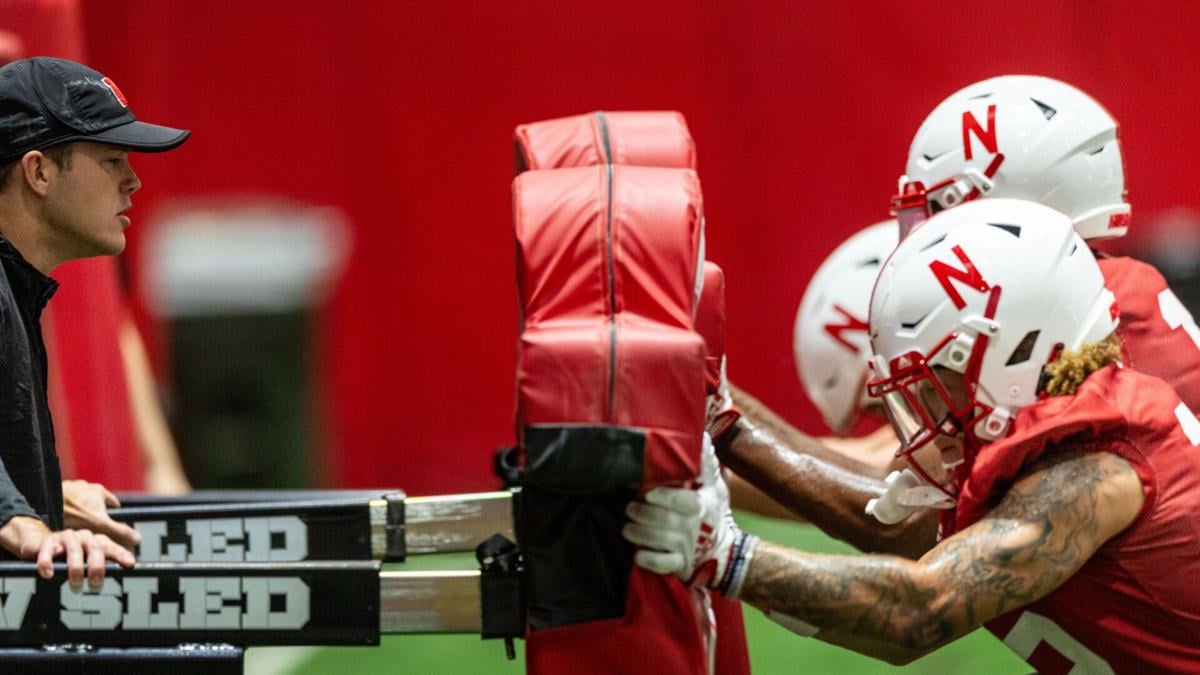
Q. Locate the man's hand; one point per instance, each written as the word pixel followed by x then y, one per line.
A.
pixel 691 533
pixel 30 539
pixel 85 507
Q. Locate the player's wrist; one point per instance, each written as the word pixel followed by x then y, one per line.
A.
pixel 741 552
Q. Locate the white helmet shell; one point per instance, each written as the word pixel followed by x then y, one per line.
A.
pixel 830 338
pixel 1025 137
pixel 990 289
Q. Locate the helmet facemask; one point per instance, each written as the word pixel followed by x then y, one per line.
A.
pixel 915 203
pixel 936 395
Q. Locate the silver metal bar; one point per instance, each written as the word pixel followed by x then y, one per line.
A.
pixel 447 523
pixel 429 602
pixel 377 510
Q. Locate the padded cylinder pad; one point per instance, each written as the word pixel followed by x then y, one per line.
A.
pixel 710 323
pixel 660 387
pixel 658 634
pixel 609 370
pixel 656 138
pixel 733 655
pixel 566 375
pixel 563 373
pixel 658 226
pixel 594 241
pixel 560 220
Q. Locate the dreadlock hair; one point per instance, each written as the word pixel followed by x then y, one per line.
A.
pixel 1063 376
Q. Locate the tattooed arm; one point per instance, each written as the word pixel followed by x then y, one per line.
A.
pixel 1046 527
pixel 821 485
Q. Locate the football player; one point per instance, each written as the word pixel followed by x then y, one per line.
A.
pixel 1035 138
pixel 1013 136
pixel 1072 490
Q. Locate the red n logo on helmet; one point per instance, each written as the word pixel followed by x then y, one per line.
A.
pixel 836 330
pixel 970 125
pixel 969 276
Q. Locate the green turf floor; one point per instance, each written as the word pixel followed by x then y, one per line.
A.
pixel 772 649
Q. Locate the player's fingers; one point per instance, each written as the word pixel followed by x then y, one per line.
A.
pixel 655 516
pixel 109 498
pixel 659 562
pixel 684 502
pixel 70 540
pixel 663 540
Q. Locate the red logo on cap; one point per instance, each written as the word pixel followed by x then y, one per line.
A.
pixel 112 86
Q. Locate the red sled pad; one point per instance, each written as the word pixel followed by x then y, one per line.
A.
pixel 658 634
pixel 563 373
pixel 593 241
pixel 660 387
pixel 658 231
pixel 629 373
pixel 710 323
pixel 561 224
pixel 733 655
pixel 654 138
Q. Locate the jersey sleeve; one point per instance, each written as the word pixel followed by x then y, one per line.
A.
pixel 12 502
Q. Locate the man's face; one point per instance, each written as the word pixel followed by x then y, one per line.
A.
pixel 87 200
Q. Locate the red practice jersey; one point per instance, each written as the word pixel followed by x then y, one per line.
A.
pixel 1160 336
pixel 1134 606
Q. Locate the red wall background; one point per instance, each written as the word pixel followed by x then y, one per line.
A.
pixel 402 115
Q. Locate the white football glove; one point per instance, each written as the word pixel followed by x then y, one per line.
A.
pixel 690 532
pixel 720 413
pixel 905 493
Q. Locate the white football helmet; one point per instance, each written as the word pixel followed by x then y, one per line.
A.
pixel 830 338
pixel 992 290
pixel 1022 137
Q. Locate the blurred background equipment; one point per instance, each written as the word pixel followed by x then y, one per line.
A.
pixel 1171 242
pixel 236 287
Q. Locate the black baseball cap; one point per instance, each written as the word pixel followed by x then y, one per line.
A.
pixel 46 101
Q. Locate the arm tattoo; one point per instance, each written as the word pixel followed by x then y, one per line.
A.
pixel 1045 528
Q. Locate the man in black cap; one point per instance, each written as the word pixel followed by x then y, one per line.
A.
pixel 65 187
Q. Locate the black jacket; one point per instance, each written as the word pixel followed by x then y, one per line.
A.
pixel 30 479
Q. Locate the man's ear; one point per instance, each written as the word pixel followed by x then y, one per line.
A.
pixel 37 170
